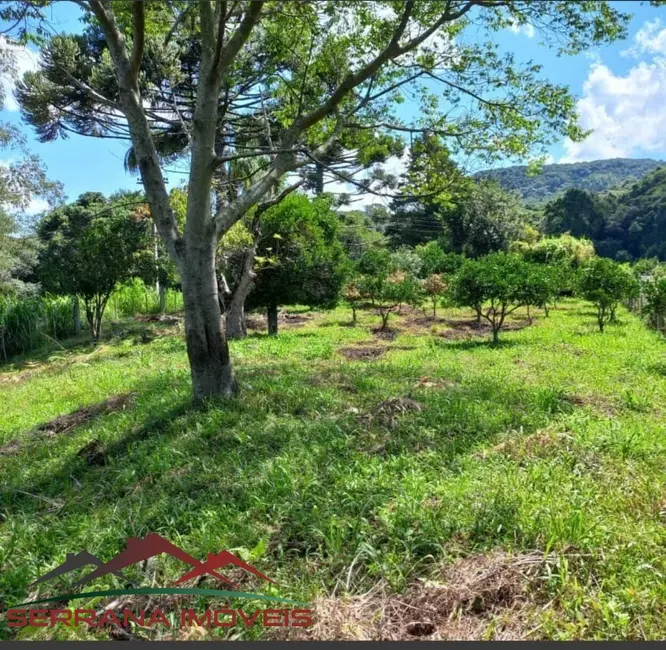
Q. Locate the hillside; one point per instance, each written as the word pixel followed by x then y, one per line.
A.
pixel 637 226
pixel 597 176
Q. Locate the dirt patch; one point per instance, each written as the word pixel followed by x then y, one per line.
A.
pixel 479 597
pixel 258 322
pixel 595 402
pixel 65 423
pixel 427 382
pixel 93 453
pixel 469 328
pixel 166 319
pixel 390 411
pixel 540 444
pixel 11 448
pixel 295 319
pixel 363 352
pixel 386 334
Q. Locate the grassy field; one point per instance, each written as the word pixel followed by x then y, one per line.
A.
pixel 426 485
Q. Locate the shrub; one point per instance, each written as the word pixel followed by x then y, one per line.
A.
pixel 655 300
pixel 387 282
pixel 434 287
pixel 494 286
pixel 605 283
pixel 435 261
pixel 388 292
pixel 540 286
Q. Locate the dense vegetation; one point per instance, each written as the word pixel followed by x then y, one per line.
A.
pixel 596 176
pixel 626 224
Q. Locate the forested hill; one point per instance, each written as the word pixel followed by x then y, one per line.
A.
pixel 596 176
pixel 625 225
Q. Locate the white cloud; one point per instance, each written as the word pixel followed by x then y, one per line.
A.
pixel 525 28
pixel 24 61
pixel 37 206
pixel 395 165
pixel 625 112
pixel 650 39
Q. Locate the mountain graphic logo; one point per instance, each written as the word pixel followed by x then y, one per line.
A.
pixel 138 550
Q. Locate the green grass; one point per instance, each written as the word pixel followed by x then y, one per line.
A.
pixel 553 440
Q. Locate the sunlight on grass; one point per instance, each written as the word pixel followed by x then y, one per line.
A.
pixel 553 440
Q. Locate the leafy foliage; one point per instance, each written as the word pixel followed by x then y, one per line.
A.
pixel 389 279
pixel 304 261
pixel 18 256
pixel 486 220
pixel 91 245
pixel 495 286
pixel 628 224
pixel 606 283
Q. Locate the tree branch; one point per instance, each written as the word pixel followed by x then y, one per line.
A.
pixel 139 28
pixel 225 55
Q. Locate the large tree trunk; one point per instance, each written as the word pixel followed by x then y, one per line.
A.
pixel 207 347
pixel 272 315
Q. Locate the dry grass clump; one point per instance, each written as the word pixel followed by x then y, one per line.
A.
pixel 478 597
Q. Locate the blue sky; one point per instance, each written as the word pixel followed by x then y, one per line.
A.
pixel 621 90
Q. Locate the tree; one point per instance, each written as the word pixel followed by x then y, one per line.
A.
pixel 435 260
pixel 486 220
pixel 580 213
pixel 304 261
pixel 91 245
pixel 219 82
pixel 434 287
pixel 494 286
pixel 18 256
pixel 540 286
pixel 388 279
pixel 605 283
pixel 22 179
pixel 655 299
pixel 352 294
pixel 358 232
pixel 431 184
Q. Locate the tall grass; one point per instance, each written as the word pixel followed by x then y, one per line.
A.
pixel 24 323
pixel 19 321
pixel 58 316
pixel 135 297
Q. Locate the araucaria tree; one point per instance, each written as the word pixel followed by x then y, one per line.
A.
pixel 300 86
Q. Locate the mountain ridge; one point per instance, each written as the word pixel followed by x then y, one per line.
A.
pixel 595 175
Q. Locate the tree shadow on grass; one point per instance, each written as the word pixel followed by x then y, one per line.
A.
pixel 311 481
pixel 477 344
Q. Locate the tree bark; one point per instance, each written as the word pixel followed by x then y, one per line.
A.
pixel 207 347
pixel 235 315
pixel 163 296
pixel 272 315
pixel 76 314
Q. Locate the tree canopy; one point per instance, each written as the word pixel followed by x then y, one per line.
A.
pixel 91 245
pixel 300 88
pixel 303 260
